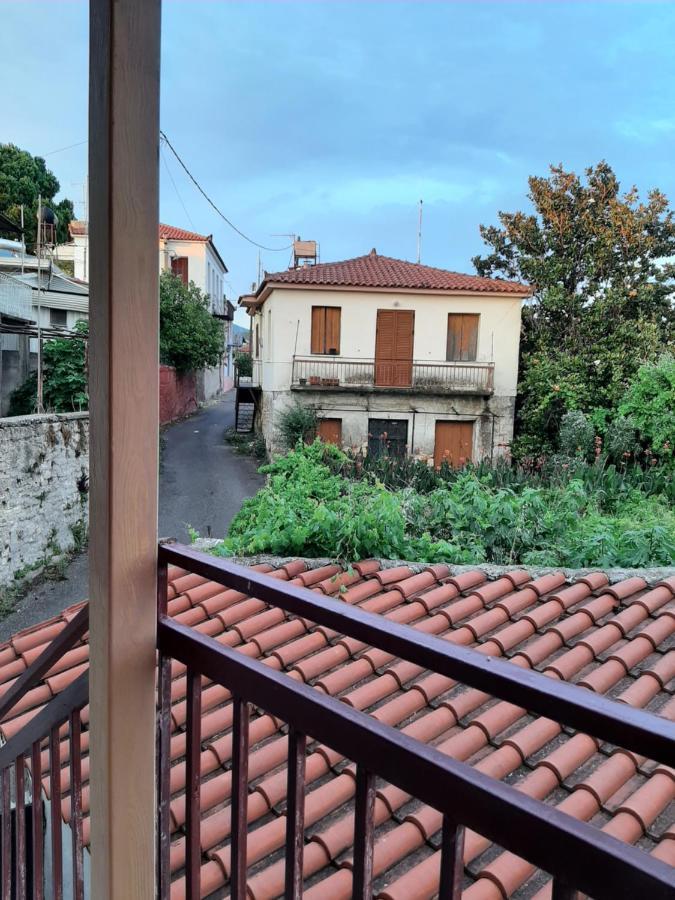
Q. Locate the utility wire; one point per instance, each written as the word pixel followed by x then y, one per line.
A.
pixel 69 147
pixel 166 166
pixel 213 205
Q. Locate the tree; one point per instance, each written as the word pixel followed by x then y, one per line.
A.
pixel 190 337
pixel 603 293
pixel 23 178
pixel 650 404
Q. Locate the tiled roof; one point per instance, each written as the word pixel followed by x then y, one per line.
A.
pixel 78 227
pixel 377 271
pixel 169 233
pixel 615 639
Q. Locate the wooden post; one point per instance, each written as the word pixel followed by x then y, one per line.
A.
pixel 123 169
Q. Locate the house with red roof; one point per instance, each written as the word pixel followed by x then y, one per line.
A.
pixel 394 356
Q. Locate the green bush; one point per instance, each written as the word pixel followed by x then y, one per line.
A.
pixel 64 381
pixel 576 435
pixel 310 508
pixel 650 402
pixel 297 423
pixel 243 364
pixel 190 337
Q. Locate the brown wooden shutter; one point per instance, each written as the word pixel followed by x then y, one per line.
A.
pixel 330 431
pixel 179 267
pixel 318 328
pixel 332 344
pixel 394 347
pixel 454 443
pixel 462 343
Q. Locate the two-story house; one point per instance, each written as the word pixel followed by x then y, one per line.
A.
pixel 391 354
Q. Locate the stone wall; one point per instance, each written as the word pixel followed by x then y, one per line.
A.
pixel 177 394
pixel 44 484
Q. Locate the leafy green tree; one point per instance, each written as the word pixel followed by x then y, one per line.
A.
pixel 603 293
pixel 650 404
pixel 23 178
pixel 190 337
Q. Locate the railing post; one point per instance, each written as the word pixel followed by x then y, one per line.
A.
pixel 124 382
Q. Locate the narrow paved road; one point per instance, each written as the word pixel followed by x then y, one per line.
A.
pixel 202 483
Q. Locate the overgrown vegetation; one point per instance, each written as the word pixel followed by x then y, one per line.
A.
pixel 243 364
pixel 600 262
pixel 190 337
pixel 64 381
pixel 250 444
pixel 320 502
pixel 297 423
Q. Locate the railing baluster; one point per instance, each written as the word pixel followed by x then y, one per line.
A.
pixel 20 818
pixel 295 814
pixel 452 860
pixel 562 890
pixel 364 832
pixel 5 841
pixel 55 811
pixel 76 803
pixel 239 826
pixel 163 751
pixel 37 823
pixel 193 854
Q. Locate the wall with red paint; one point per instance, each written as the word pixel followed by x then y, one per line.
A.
pixel 177 394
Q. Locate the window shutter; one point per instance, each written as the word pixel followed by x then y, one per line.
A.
pixel 179 267
pixel 462 345
pixel 332 344
pixel 318 328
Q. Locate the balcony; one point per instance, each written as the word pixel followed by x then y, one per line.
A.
pixel 312 373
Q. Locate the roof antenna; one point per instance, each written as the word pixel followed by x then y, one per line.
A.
pixel 419 234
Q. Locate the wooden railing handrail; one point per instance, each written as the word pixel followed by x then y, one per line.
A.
pixel 52 653
pixel 571 850
pixel 629 727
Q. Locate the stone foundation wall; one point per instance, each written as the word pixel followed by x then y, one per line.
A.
pixel 492 417
pixel 44 485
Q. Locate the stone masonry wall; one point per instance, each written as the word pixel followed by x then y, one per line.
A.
pixel 44 483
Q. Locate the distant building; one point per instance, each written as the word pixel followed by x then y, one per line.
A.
pixel 394 356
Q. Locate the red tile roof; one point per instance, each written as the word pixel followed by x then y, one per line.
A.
pixel 377 271
pixel 169 233
pixel 615 639
pixel 78 227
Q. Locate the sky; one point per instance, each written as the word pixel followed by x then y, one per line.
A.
pixel 331 120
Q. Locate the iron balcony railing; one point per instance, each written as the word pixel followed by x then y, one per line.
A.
pixel 577 855
pixel 327 372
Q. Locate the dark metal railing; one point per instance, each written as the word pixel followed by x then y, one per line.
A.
pixel 578 855
pixel 24 752
pixel 314 372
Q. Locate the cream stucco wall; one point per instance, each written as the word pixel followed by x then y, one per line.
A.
pixel 285 323
pixel 204 267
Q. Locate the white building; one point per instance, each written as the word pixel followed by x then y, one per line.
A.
pixel 390 354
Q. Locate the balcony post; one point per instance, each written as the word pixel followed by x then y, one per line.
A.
pixel 123 169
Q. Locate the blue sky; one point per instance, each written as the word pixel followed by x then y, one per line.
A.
pixel 331 120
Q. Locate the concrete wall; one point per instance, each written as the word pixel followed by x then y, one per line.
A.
pixel 492 418
pixel 210 383
pixel 177 394
pixel 15 366
pixel 285 324
pixel 44 471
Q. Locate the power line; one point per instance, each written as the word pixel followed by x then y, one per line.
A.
pixel 69 147
pixel 166 166
pixel 213 205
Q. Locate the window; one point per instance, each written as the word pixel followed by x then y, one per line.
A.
pixel 387 437
pixel 330 431
pixel 179 267
pixel 462 337
pixel 58 318
pixel 326 329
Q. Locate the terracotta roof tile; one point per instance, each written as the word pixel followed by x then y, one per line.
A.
pixel 169 233
pixel 614 640
pixel 376 271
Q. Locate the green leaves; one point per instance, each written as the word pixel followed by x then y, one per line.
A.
pixel 308 508
pixel 190 337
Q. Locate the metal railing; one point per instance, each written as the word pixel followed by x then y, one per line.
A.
pixel 23 755
pixel 577 855
pixel 434 377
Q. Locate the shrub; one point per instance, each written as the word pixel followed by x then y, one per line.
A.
pixel 297 423
pixel 309 507
pixel 621 441
pixel 190 337
pixel 650 402
pixel 576 435
pixel 243 364
pixel 64 378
